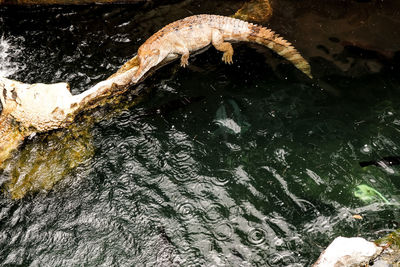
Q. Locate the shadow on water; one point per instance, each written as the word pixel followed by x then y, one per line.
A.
pixel 252 166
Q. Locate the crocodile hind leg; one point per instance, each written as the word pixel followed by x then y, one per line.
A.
pixel 220 45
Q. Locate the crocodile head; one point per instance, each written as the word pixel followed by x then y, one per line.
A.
pixel 148 58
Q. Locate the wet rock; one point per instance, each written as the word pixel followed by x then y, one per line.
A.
pixel 43 107
pixel 33 108
pixel 354 251
pixel 256 11
pixel 391 252
pixel 40 106
pixel 10 137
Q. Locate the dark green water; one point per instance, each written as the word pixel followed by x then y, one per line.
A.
pixel 257 167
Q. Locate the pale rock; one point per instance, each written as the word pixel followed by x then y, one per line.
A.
pixel 343 251
pixel 41 106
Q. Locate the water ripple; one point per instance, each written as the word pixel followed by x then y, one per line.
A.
pixel 215 212
pixel 257 236
pixel 179 163
pixel 283 259
pixel 186 211
pixel 222 177
pixel 169 190
pixel 223 231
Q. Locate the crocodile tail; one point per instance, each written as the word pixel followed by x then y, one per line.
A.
pixel 269 38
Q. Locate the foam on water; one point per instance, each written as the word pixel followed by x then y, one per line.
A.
pixel 8 50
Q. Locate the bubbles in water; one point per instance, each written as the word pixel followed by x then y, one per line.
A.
pixel 366 149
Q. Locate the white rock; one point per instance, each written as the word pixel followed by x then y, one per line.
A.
pixel 41 106
pixel 354 251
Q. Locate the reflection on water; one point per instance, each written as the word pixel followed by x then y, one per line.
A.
pixel 258 170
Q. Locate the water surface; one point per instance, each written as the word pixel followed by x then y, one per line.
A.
pixel 243 165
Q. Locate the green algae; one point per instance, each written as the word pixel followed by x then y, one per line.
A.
pixel 44 162
pixel 392 239
pixel 391 246
pixel 369 194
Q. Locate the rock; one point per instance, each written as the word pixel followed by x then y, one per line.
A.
pixel 256 11
pixel 41 106
pixel 10 137
pixel 381 263
pixel 391 253
pixel 354 251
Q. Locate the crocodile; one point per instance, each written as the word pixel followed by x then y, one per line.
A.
pixel 193 33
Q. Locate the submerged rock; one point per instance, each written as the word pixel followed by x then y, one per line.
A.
pixel 42 164
pixel 229 119
pixel 10 137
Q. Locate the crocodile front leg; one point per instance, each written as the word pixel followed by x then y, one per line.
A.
pixel 219 44
pixel 181 49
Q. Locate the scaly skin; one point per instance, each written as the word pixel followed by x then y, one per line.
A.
pixel 196 32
